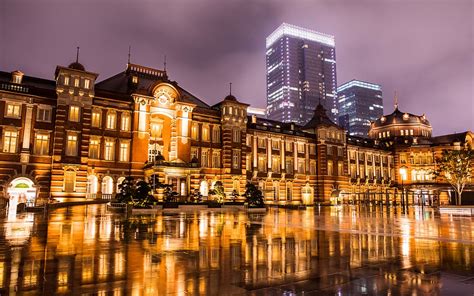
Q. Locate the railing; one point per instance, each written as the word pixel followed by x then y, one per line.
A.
pixel 173 164
pixel 107 196
pixel 14 87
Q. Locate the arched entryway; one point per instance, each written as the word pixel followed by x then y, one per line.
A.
pixel 92 186
pixel 21 192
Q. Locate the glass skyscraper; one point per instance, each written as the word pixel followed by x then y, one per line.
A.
pixel 301 71
pixel 359 103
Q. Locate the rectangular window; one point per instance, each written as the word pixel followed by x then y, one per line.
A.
pixel 236 135
pixel 109 153
pixel 403 158
pixel 262 163
pixel 330 150
pixel 262 143
pixel 300 147
pixel 340 151
pixel 289 166
pixel 125 122
pixel 276 164
pixel 216 159
pixel 340 168
pixel 330 168
pixel 87 83
pixel 194 153
pixel 111 120
pixel 236 159
pixel 13 110
pixel 96 118
pixel 43 114
pixel 124 151
pixel 301 166
pixel 216 134
pixel 205 158
pixel 248 162
pixel 10 139
pixel 312 149
pixel 312 167
pixel 41 144
pixel 205 133
pixel 194 131
pixel 69 181
pixel 66 80
pixel 76 82
pixel 94 148
pixel 276 145
pixel 71 145
pixel 157 130
pixel 289 146
pixel 74 113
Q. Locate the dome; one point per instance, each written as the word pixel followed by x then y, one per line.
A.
pixel 77 66
pixel 398 117
pixel 230 98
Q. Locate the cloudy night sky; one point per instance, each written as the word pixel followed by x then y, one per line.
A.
pixel 422 49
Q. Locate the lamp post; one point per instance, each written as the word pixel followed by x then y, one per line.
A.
pixel 403 175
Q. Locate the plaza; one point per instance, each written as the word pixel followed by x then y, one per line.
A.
pixel 357 250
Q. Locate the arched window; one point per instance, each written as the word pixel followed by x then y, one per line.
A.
pixel 107 185
pixel 204 188
pixel 119 181
pixel 92 185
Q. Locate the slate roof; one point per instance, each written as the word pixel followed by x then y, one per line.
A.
pixel 397 117
pixel 320 118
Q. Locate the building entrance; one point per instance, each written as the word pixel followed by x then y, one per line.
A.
pixel 21 193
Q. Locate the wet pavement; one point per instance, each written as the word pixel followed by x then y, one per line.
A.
pixel 85 250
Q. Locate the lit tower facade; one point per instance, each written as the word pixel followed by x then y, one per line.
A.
pixel 301 72
pixel 360 103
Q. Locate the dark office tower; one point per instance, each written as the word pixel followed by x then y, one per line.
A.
pixel 301 72
pixel 359 103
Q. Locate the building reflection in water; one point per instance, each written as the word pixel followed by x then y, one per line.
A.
pixel 89 251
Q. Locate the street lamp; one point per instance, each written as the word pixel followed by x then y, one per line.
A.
pixel 403 176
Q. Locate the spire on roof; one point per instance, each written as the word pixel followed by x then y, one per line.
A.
pixel 395 98
pixel 129 50
pixel 164 63
pixel 230 88
pixel 77 54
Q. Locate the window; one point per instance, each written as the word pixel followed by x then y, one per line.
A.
pixel 66 80
pixel 353 171
pixel 205 133
pixel 216 159
pixel 157 130
pixel 76 82
pixel 43 114
pixel 362 172
pixel 262 163
pixel 289 191
pixel 205 158
pixel 340 151
pixel 236 159
pixel 248 162
pixel 301 166
pixel 69 181
pixel 87 83
pixel 289 146
pixel 71 145
pixel 289 165
pixel 330 168
pixel 194 131
pixel 340 168
pixel 312 167
pixel 300 147
pixel 194 153
pixel 403 158
pixel 330 150
pixel 216 134
pixel 94 148
pixel 96 118
pixel 312 149
pixel 236 135
pixel 124 151
pixel 262 143
pixel 111 120
pixel 10 139
pixel 125 122
pixel 276 144
pixel 276 164
pixel 41 144
pixel 74 113
pixel 109 153
pixel 13 110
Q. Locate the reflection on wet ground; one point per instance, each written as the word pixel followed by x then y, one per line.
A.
pixel 85 250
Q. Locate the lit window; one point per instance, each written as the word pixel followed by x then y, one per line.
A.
pixel 216 134
pixel 276 144
pixel 300 147
pixel 301 166
pixel 401 133
pixel 330 168
pixel 194 131
pixel 124 151
pixel 312 167
pixel 74 113
pixel 41 144
pixel 66 80
pixel 276 164
pixel 125 122
pixel 340 168
pixel 69 181
pixel 94 148
pixel 87 83
pixel 262 163
pixel 13 110
pixel 330 150
pixel 96 115
pixel 109 152
pixel 205 133
pixel 111 120
pixel 289 146
pixel 71 145
pixel 204 158
pixel 236 159
pixel 216 159
pixel 262 143
pixel 76 82
pixel 289 166
pixel 156 130
pixel 10 139
pixel 43 114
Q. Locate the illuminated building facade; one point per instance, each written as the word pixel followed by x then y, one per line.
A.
pixel 301 71
pixel 73 138
pixel 359 103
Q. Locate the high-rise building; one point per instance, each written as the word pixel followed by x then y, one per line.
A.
pixel 359 103
pixel 301 72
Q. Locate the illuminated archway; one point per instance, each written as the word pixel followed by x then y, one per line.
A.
pixel 92 186
pixel 20 191
pixel 204 188
pixel 107 185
